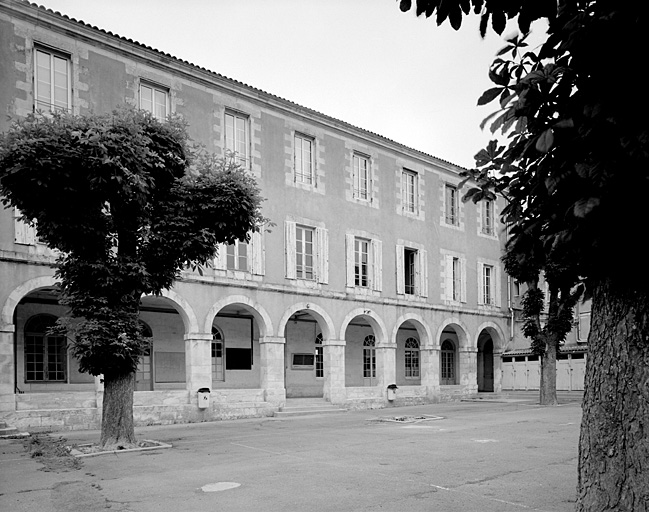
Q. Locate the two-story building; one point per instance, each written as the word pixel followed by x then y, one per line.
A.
pixel 375 273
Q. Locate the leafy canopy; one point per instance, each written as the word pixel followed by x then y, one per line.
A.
pixel 129 204
pixel 574 167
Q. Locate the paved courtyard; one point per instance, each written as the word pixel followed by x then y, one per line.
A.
pixel 468 456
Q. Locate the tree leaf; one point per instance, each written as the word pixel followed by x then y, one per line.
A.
pixel 545 141
pixel 489 95
pixel 584 206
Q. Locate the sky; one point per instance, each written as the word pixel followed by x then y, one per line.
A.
pixel 361 61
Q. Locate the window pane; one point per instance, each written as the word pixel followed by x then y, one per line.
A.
pixel 60 82
pixel 160 104
pixel 146 98
pixel 243 256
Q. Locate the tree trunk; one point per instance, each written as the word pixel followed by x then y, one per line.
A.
pixel 613 472
pixel 117 427
pixel 548 385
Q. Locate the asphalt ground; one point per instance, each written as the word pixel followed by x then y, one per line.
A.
pixel 470 456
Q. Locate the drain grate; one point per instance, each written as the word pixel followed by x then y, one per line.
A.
pixel 408 419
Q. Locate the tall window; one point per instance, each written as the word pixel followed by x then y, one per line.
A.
pixel 409 191
pixel 218 355
pixel 45 355
pixel 236 137
pixel 361 262
pixel 144 370
pixel 447 363
pixel 488 217
pixel 319 356
pixel 154 99
pixel 52 81
pixel 361 177
pixel 303 159
pixel 410 270
pixel 304 256
pixel 488 283
pixel 369 357
pixel 457 279
pixel 307 251
pixel 237 256
pixel 452 206
pixel 412 358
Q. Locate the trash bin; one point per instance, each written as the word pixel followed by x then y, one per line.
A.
pixel 203 398
pixel 392 391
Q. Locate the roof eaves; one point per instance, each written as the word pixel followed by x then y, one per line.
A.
pixel 453 167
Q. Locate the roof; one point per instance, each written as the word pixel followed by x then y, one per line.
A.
pixel 238 83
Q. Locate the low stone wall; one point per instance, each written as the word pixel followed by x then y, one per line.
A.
pixel 82 410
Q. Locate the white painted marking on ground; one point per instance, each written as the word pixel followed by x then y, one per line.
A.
pixel 219 486
pixel 488 498
pixel 485 440
pixel 258 449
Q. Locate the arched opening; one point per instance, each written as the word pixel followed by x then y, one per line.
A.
pixel 304 355
pixel 408 360
pixel 163 365
pixel 448 363
pixel 235 352
pixel 361 341
pixel 485 362
pixel 44 362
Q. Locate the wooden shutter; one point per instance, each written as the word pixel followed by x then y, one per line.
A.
pixel 377 265
pixel 401 283
pixel 258 261
pixel 463 278
pixel 349 259
pixel 221 258
pixel 289 248
pixel 23 233
pixel 481 297
pixel 497 287
pixel 423 272
pixel 448 277
pixel 322 255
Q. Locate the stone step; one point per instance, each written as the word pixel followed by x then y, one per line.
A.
pixel 306 407
pixel 6 430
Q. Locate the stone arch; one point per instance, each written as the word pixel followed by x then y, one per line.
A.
pixel 496 333
pixel 460 329
pixel 380 331
pixel 323 318
pixel 257 310
pixel 24 289
pixel 425 336
pixel 183 308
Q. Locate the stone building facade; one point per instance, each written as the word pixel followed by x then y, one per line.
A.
pixel 375 273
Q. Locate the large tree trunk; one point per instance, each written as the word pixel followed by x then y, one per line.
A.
pixel 548 385
pixel 614 442
pixel 117 427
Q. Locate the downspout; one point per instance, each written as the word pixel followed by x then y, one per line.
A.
pixel 510 306
pixel 15 341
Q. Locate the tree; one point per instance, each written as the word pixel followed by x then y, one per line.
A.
pixel 116 195
pixel 577 160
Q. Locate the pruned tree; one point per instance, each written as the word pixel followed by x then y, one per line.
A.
pixel 129 204
pixel 577 161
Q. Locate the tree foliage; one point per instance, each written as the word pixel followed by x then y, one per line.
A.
pixel 575 172
pixel 129 203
